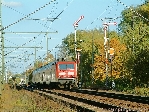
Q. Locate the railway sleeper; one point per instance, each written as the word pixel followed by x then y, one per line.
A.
pixel 94 103
pixel 79 106
pixel 138 99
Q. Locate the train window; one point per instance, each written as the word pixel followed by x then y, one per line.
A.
pixel 66 66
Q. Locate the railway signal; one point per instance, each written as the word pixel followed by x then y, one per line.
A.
pixel 76 23
pixel 75 26
pixel 111 51
pixel 106 45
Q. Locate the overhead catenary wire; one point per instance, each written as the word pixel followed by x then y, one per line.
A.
pixel 65 9
pixel 27 15
pixel 22 14
pixel 17 47
pixel 108 7
pixel 59 14
pixel 114 18
pixel 22 45
pixel 62 12
pixel 55 19
pixel 138 14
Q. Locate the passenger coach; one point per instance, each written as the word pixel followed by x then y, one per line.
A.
pixel 56 74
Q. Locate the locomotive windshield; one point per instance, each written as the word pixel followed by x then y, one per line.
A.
pixel 66 66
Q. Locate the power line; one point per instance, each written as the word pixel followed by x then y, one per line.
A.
pixel 22 14
pixel 58 16
pixel 27 15
pixel 108 7
pixel 18 32
pixel 138 14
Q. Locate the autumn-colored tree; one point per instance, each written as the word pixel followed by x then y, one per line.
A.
pixel 116 61
pixel 49 58
pixel 38 64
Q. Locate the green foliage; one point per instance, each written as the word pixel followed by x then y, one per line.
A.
pixel 135 32
pixel 139 66
pixel 123 84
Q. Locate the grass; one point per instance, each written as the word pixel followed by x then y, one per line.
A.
pixel 139 91
pixel 12 100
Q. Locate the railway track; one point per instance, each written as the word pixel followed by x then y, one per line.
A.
pixel 77 105
pixel 93 101
pixel 120 96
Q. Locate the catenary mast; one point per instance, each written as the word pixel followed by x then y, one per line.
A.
pixel 1 50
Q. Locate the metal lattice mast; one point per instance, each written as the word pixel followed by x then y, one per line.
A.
pixel 1 51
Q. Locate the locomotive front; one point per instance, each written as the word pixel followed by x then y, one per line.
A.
pixel 66 72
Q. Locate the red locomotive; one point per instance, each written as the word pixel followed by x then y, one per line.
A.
pixel 55 74
pixel 66 73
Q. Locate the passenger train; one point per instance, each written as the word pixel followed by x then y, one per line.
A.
pixel 55 74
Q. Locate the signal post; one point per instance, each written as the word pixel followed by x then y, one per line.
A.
pixel 75 44
pixel 106 47
pixel 75 39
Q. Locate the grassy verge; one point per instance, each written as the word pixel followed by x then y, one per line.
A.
pixel 139 91
pixel 24 101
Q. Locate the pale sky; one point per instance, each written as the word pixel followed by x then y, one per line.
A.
pixel 68 11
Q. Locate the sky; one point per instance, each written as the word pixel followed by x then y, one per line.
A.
pixel 21 55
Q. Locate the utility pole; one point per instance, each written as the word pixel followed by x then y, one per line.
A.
pixel 106 46
pixel 1 51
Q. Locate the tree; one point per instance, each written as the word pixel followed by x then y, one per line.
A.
pixel 38 64
pixel 139 67
pixel 135 31
pixel 49 58
pixel 146 1
pixel 117 59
